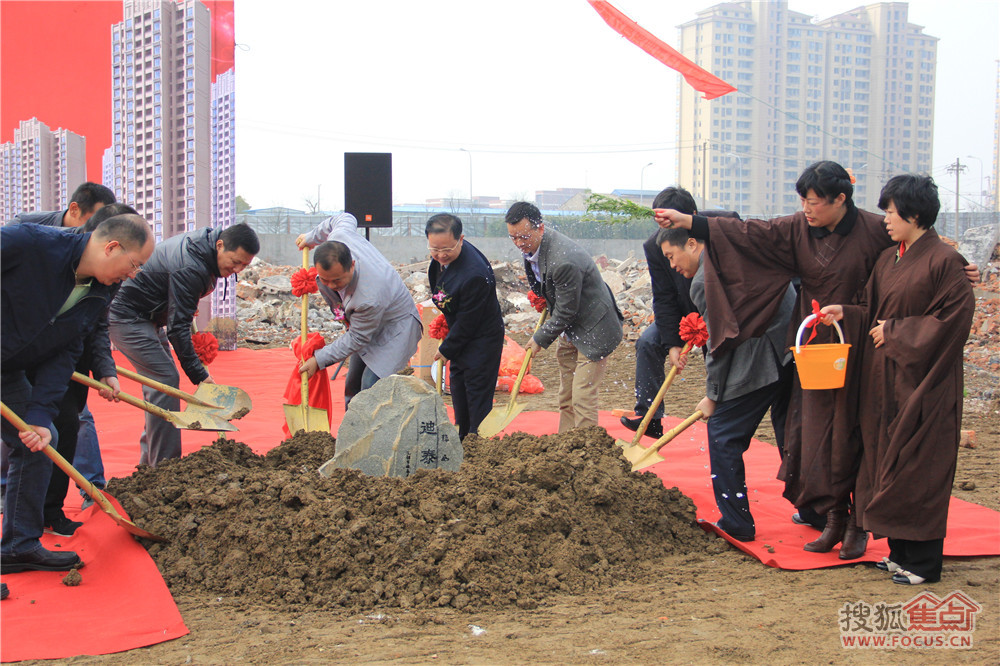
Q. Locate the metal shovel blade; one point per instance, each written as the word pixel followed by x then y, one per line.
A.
pixel 71 472
pixel 309 419
pixel 499 418
pixel 233 402
pixel 642 457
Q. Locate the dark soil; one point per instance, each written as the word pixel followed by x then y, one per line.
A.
pixel 525 518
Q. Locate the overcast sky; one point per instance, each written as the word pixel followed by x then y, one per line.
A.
pixel 521 95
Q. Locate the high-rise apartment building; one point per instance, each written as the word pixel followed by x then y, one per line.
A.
pixel 40 169
pixel 224 180
pixel 856 88
pixel 160 160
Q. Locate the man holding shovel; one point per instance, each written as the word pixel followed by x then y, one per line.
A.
pixel 182 270
pixel 367 294
pixel 464 288
pixel 671 302
pixel 741 385
pixel 55 287
pixel 582 311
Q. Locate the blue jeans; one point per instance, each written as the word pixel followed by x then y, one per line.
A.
pixel 145 345
pixel 87 460
pixel 28 475
pixel 650 355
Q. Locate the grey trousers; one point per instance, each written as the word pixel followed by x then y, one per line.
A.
pixel 145 346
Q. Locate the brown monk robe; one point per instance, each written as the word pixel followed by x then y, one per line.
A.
pixel 757 257
pixel 911 410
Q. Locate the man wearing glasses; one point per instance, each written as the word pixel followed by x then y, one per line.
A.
pixel 182 270
pixel 56 286
pixel 464 288
pixel 582 311
pixel 383 325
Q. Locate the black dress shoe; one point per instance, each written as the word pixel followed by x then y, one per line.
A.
pixel 62 526
pixel 4 592
pixel 40 560
pixel 654 429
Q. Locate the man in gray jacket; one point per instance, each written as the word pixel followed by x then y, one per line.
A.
pixel 741 386
pixel 182 270
pixel 367 294
pixel 582 311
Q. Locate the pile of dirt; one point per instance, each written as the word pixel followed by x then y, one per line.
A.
pixel 525 517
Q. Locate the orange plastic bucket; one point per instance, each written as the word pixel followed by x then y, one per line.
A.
pixel 821 366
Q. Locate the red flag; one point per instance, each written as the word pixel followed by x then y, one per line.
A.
pixel 698 78
pixel 320 395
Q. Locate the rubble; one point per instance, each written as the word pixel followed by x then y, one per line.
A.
pixel 269 315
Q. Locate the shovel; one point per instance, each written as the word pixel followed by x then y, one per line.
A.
pixel 185 421
pixel 302 416
pixel 99 497
pixel 500 417
pixel 226 402
pixel 641 430
pixel 642 458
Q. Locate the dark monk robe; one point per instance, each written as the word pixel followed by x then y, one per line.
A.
pixel 911 410
pixel 752 263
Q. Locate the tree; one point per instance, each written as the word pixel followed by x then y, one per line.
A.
pixel 241 204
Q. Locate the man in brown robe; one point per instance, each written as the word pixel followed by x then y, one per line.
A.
pixel 831 246
pixel 918 306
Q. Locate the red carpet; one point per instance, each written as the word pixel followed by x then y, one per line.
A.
pixel 123 602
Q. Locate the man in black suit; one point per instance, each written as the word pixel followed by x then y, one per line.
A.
pixel 671 302
pixel 464 289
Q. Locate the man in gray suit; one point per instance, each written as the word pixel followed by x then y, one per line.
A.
pixel 366 292
pixel 582 311
pixel 740 387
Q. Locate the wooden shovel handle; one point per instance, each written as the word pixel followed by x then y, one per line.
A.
pixel 62 463
pixel 669 435
pixel 163 388
pixel 124 397
pixel 305 322
pixel 641 430
pixel 527 361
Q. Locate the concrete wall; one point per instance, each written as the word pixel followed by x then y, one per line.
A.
pixel 280 249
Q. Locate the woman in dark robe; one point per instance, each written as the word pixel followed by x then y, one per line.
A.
pixel 918 305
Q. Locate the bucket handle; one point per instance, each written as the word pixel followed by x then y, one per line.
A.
pixel 802 328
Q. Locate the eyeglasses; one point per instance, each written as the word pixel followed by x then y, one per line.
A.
pixel 517 237
pixel 136 268
pixel 442 250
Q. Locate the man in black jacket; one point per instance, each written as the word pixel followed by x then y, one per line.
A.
pixel 55 287
pixel 464 289
pixel 87 199
pixel 183 270
pixel 661 339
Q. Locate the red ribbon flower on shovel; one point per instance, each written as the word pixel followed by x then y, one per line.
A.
pixel 693 331
pixel 536 301
pixel 438 328
pixel 206 346
pixel 304 282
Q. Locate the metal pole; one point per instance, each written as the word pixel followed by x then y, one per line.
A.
pixel 470 182
pixel 642 188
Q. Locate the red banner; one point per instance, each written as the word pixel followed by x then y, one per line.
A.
pixel 701 80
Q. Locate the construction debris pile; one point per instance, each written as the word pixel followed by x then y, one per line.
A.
pixel 269 315
pixel 525 517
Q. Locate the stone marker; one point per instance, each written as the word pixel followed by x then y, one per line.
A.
pixel 394 428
